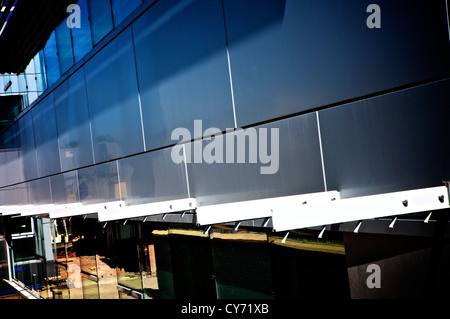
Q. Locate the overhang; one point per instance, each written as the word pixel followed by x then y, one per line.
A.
pixel 25 26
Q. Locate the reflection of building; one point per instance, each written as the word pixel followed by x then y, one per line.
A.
pixel 93 206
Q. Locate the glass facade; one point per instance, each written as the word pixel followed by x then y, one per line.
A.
pixel 185 77
pixel 144 261
pixel 82 37
pixel 113 100
pixel 28 85
pixel 92 120
pixel 290 56
pixel 128 95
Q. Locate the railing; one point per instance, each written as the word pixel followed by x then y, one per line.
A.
pixel 23 290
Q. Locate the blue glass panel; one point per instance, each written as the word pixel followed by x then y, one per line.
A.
pixel 64 188
pixel 388 143
pixel 113 100
pixel 272 166
pixel 289 56
pixel 10 165
pixel 72 118
pixel 25 134
pixel 45 135
pixel 101 20
pixel 121 9
pixel 182 67
pixel 51 60
pixel 39 66
pixel 82 40
pixel 99 183
pixel 64 45
pixel 152 177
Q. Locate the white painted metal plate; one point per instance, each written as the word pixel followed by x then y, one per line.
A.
pixel 360 208
pixel 12 210
pixel 85 209
pixel 36 210
pixel 142 210
pixel 260 208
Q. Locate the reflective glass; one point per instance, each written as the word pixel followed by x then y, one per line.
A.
pixel 241 264
pixel 14 195
pixel 151 177
pixel 51 60
pixel 290 56
pixel 5 79
pixel 22 83
pixel 10 164
pixel 64 45
pixel 31 83
pixel 99 183
pixel 46 137
pixel 389 143
pixel 4 268
pixel 101 21
pixel 41 78
pixel 182 67
pixel 85 249
pixel 72 118
pixel 192 264
pixel 317 267
pixel 87 263
pixel 60 284
pixel 113 100
pixel 27 149
pixel 30 67
pixel 121 9
pixel 82 40
pixel 288 152
pixel 148 265
pixel 64 188
pixel 39 191
pixel 14 84
pixel 127 254
pixel 163 265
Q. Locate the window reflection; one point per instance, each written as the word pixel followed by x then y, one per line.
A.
pixel 127 250
pixel 51 60
pixel 64 45
pixel 147 260
pixel 101 19
pixel 306 266
pixel 82 42
pixel 122 9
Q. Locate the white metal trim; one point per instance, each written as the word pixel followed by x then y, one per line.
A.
pixel 360 208
pixel 46 209
pixel 36 210
pixel 22 289
pixel 85 209
pixel 259 208
pixel 156 208
pixel 12 210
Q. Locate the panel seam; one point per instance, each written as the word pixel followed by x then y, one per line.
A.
pixel 448 22
pixel 229 66
pixel 138 90
pixel 321 152
pixel 186 171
